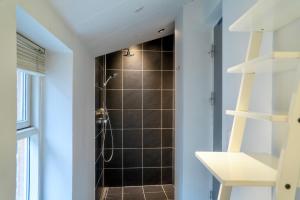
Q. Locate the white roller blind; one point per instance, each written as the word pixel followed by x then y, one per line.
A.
pixel 30 56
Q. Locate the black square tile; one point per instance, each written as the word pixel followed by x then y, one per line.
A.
pixel 152 118
pixel 167 137
pixel 132 99
pixel 116 161
pixel 97 171
pixel 133 62
pixel 168 61
pixel 133 177
pixel 152 138
pixel 132 80
pixel 152 157
pixel 152 79
pixel 132 158
pixel 97 147
pixel 99 70
pixel 114 60
pixel 153 188
pixel 115 118
pixel 168 43
pixel 167 99
pixel 151 60
pixel 113 177
pixel 97 98
pixel 168 80
pixel 155 196
pixel 154 45
pixel 167 175
pixel 132 138
pixel 116 82
pixel 151 176
pixel 167 157
pixel 132 119
pixel 152 99
pixel 167 118
pixel 117 134
pixel 114 99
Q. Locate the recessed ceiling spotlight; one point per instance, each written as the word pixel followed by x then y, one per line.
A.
pixel 139 9
pixel 161 30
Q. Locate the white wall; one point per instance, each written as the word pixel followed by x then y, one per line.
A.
pixel 193 39
pixel 258 134
pixel 285 83
pixel 82 98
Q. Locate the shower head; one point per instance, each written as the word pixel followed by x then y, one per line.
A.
pixel 109 78
pixel 127 53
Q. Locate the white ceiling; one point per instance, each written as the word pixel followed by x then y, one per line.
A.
pixel 109 25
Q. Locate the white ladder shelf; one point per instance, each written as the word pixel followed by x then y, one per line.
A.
pixel 235 168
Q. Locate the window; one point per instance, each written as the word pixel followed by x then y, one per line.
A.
pixel 28 134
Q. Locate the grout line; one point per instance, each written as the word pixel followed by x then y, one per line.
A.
pixel 143 117
pixel 164 167
pixel 161 112
pixel 144 193
pixel 122 124
pixel 165 192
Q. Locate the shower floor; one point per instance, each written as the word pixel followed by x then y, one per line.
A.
pixel 149 192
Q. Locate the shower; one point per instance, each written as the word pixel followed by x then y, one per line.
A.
pixel 104 120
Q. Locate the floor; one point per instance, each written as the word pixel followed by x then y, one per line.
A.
pixel 154 192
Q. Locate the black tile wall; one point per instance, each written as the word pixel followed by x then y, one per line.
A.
pixel 140 102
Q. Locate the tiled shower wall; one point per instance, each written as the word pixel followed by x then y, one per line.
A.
pixel 140 102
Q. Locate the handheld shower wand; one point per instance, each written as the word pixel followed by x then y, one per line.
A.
pixel 109 78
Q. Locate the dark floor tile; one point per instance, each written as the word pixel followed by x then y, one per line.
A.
pixel 116 161
pixel 167 137
pixel 168 61
pixel 167 118
pixel 114 99
pixel 114 83
pixel 114 191
pixel 168 43
pixel 168 80
pixel 133 197
pixel 132 119
pixel 132 158
pixel 153 188
pixel 152 138
pixel 152 176
pixel 152 157
pixel 152 99
pixel 133 177
pixel 132 80
pixel 113 177
pixel 133 189
pixel 115 118
pixel 152 118
pixel 133 62
pixel 169 188
pixel 151 60
pixel 152 79
pixel 156 196
pixel 167 176
pixel 154 45
pixel 114 60
pixel 132 138
pixel 132 99
pixel 167 99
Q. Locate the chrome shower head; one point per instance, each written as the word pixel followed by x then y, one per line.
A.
pixel 127 53
pixel 109 78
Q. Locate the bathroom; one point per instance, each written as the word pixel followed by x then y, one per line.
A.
pixel 135 98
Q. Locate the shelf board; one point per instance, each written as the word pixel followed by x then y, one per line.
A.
pixel 240 169
pixel 267 15
pixel 274 62
pixel 259 116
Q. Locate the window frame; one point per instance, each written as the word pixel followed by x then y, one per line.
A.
pixel 31 129
pixel 27 104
